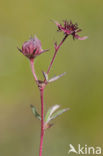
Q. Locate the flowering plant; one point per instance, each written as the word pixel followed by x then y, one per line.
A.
pixel 31 49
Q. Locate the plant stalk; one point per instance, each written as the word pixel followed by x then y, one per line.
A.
pixel 33 70
pixel 42 92
pixel 42 121
pixel 56 50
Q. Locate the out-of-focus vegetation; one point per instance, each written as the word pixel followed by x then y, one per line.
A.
pixel 81 89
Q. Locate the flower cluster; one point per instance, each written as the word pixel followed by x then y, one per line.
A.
pixel 70 29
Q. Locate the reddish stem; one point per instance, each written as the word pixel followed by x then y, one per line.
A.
pixel 33 70
pixel 42 121
pixel 42 107
pixel 56 50
pixel 42 92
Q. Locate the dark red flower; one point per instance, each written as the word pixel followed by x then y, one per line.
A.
pixel 32 48
pixel 70 29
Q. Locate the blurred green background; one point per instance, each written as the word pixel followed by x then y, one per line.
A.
pixel 81 89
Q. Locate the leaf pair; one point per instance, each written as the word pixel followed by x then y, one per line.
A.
pixel 51 114
pixel 53 78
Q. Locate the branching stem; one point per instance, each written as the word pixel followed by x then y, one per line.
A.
pixel 41 88
pixel 56 50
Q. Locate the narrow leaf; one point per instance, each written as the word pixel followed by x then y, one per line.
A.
pixel 45 76
pixel 35 112
pixel 59 112
pixel 50 112
pixel 19 49
pixel 46 50
pixel 56 77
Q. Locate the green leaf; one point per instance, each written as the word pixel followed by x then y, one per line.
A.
pixel 59 112
pixel 50 112
pixel 35 112
pixel 56 77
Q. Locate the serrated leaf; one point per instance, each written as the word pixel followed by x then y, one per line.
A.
pixel 59 112
pixel 56 77
pixel 35 112
pixel 50 112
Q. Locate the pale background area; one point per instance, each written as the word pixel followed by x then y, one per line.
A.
pixel 81 89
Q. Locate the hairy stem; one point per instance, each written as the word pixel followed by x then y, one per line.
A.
pixel 33 70
pixel 42 121
pixel 56 50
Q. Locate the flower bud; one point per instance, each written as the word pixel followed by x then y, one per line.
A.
pixel 32 48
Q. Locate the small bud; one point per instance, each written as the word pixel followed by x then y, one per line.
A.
pixel 47 126
pixel 32 48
